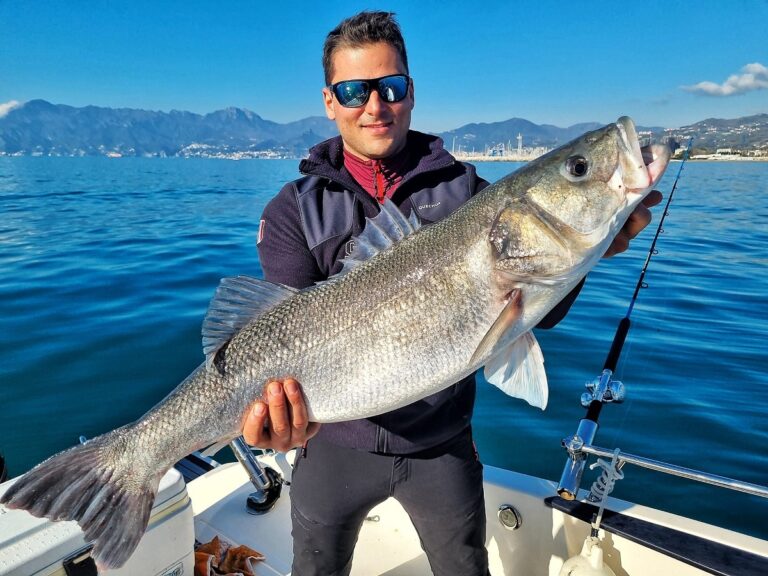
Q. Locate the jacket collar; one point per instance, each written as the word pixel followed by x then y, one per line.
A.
pixel 326 159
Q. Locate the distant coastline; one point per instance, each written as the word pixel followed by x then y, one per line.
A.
pixel 40 128
pixel 716 158
pixel 488 158
pixel 696 158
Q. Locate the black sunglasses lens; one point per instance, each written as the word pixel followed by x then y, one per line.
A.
pixel 393 88
pixel 355 93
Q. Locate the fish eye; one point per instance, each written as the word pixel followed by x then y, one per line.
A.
pixel 577 166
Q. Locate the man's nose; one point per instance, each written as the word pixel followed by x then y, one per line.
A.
pixel 375 104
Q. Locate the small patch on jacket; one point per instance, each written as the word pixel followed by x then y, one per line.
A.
pixel 262 225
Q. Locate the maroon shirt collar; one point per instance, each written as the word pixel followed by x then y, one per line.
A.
pixel 380 178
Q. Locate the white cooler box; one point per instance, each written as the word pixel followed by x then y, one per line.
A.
pixel 33 546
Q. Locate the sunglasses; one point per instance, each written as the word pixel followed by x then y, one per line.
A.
pixel 355 93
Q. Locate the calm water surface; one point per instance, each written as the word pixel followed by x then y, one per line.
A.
pixel 107 267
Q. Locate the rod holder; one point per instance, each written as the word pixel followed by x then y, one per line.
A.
pixel 266 480
pixel 570 480
pixel 255 470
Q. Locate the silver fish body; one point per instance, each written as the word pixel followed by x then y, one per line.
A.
pixel 413 311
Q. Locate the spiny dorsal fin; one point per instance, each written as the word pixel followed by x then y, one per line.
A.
pixel 237 301
pixel 389 227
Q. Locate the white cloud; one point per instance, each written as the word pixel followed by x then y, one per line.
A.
pixel 8 106
pixel 752 77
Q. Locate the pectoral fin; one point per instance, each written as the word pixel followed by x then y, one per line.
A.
pixel 508 317
pixel 518 370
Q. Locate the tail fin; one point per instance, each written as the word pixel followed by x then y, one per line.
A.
pixel 111 505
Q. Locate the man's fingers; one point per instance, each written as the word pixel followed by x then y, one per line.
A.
pixel 641 216
pixel 278 411
pixel 282 421
pixel 299 417
pixel 620 244
pixel 639 219
pixel 255 431
pixel 653 198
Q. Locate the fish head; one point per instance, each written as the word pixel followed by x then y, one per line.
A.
pixel 593 183
pixel 552 220
pixel 574 201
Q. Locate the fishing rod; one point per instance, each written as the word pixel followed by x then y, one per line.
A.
pixel 621 332
pixel 605 389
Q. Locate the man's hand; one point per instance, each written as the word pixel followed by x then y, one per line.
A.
pixel 278 424
pixel 639 219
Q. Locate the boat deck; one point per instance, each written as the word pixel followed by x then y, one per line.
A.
pixel 388 544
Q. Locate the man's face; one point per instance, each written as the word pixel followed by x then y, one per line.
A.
pixel 377 129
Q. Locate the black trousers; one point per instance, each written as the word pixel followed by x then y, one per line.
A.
pixel 334 488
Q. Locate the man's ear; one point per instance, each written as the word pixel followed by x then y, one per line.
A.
pixel 329 104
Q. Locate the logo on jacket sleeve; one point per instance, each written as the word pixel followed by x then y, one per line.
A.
pixel 428 206
pixel 262 225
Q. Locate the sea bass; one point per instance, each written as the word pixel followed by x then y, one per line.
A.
pixel 435 303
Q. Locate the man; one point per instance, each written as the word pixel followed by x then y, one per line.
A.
pixel 423 453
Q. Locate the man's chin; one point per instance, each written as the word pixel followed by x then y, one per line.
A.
pixel 384 149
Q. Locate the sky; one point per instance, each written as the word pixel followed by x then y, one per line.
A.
pixel 665 64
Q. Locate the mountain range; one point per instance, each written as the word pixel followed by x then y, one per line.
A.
pixel 41 128
pixel 746 134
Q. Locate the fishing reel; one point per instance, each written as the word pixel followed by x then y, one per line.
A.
pixel 603 389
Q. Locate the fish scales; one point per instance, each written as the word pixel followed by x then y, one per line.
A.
pixel 389 309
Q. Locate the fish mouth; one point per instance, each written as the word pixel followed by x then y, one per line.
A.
pixel 643 166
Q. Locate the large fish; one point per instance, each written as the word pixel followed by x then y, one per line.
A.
pixel 433 303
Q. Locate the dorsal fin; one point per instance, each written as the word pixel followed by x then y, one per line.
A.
pixel 237 301
pixel 389 227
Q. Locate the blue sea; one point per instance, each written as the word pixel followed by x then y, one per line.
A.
pixel 107 267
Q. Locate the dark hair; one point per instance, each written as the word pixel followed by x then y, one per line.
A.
pixel 359 30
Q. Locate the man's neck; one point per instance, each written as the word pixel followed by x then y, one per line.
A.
pixel 379 177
